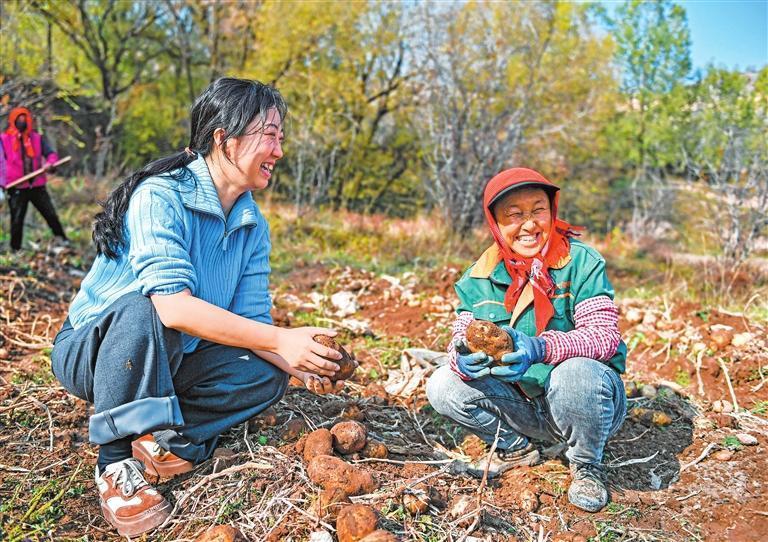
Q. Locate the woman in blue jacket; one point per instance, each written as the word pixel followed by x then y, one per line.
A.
pixel 170 336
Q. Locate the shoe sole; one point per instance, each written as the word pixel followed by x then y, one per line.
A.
pixel 146 521
pixel 160 469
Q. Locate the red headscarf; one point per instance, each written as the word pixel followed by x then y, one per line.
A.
pixel 15 113
pixel 536 269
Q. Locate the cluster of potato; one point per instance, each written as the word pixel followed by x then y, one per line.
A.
pixel 341 480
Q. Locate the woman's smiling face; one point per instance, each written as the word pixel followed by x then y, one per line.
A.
pixel 524 217
pixel 259 149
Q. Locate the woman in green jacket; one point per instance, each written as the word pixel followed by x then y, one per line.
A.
pixel 551 294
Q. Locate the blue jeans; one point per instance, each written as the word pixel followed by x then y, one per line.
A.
pixel 134 371
pixel 584 403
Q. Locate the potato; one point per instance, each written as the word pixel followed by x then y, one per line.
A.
pixel 355 522
pixel 349 436
pixel 379 535
pixel 318 442
pixel 487 337
pixel 330 502
pixel 221 533
pixel 347 364
pixel 375 449
pixel 329 472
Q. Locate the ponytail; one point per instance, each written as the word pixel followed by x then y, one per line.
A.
pixel 108 234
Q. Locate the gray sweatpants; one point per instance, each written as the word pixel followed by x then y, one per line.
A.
pixel 133 369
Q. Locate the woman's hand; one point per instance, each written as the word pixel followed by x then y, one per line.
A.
pixel 528 350
pixel 301 352
pixel 471 365
pixel 320 384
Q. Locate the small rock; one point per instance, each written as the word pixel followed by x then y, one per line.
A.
pixel 320 536
pixel 318 442
pixel 648 391
pixel 221 533
pixel 648 415
pixel 416 500
pixel 3 354
pixel 721 335
pixel 353 412
pixel 746 439
pixel 650 319
pixel 529 501
pixel 293 429
pixel 268 418
pixel 634 316
pixel 632 389
pixel 721 405
pixel 740 339
pixel 349 436
pixel 223 458
pixel 723 455
pixel 375 449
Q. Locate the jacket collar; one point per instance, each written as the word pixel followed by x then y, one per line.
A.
pixel 490 266
pixel 202 196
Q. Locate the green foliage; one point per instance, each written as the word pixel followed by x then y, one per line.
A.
pixel 760 408
pixel 682 377
pixel 732 443
pixel 397 108
pixel 622 511
pixel 726 150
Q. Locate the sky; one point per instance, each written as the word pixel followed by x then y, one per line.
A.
pixel 728 33
pixel 731 33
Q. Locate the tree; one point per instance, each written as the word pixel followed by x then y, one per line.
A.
pixel 499 82
pixel 341 67
pixel 119 39
pixel 653 44
pixel 726 148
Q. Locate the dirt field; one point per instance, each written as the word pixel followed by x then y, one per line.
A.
pixel 695 471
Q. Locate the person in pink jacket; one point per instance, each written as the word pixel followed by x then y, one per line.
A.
pixel 24 150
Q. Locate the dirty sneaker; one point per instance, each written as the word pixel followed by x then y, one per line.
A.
pixel 128 502
pixel 588 490
pixel 158 461
pixel 503 460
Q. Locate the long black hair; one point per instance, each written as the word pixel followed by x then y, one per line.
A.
pixel 228 103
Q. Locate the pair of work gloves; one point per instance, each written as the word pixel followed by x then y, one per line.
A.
pixel 528 350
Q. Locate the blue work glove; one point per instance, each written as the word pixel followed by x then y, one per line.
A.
pixel 472 365
pixel 528 350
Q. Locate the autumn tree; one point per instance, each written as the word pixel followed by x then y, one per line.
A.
pixel 342 69
pixel 726 148
pixel 120 40
pixel 653 53
pixel 496 78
